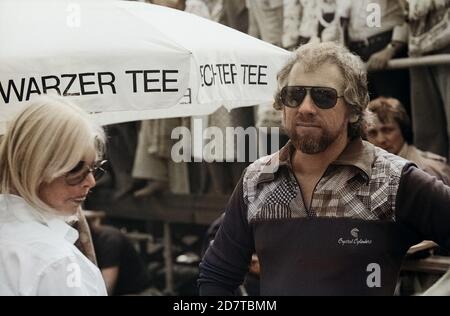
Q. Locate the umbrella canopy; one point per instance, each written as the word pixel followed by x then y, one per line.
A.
pixel 126 60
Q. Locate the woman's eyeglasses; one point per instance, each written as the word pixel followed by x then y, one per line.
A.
pixel 78 174
pixel 323 97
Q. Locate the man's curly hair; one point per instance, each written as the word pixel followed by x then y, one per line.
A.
pixel 313 55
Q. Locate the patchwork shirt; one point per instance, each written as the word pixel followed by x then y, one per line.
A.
pixel 366 211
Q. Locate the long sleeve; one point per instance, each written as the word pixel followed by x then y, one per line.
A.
pixel 423 204
pixel 226 262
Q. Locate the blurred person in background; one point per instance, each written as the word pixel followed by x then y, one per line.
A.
pixel 310 20
pixel 374 30
pixel 152 161
pixel 428 34
pixel 388 126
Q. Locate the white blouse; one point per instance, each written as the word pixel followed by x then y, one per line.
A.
pixel 38 255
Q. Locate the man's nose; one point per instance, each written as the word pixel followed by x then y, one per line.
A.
pixel 307 106
pixel 381 139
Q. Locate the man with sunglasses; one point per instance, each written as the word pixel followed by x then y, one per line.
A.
pixel 329 214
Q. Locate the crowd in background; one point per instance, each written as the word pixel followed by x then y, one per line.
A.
pixel 409 112
pixel 377 31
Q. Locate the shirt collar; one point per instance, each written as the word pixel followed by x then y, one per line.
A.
pixel 404 151
pixel 13 208
pixel 358 153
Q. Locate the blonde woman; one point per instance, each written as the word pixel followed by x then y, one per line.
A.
pixel 48 161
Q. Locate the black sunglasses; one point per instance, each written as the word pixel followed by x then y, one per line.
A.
pixel 78 174
pixel 323 97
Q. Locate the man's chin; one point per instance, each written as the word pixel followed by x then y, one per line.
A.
pixel 307 145
pixel 312 136
pixel 311 148
pixel 310 143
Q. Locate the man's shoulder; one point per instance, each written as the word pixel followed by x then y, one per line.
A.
pixel 431 156
pixel 387 163
pixel 264 165
pixel 433 164
pixel 262 170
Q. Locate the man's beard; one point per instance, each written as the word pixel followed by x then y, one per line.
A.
pixel 311 144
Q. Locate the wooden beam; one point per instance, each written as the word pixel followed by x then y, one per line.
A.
pixel 432 264
pixel 171 208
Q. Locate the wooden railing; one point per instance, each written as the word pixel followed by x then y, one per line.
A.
pixel 167 208
pixel 431 60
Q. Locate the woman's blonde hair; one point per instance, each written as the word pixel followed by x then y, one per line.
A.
pixel 45 141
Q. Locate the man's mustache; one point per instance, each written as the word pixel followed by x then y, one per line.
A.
pixel 307 119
